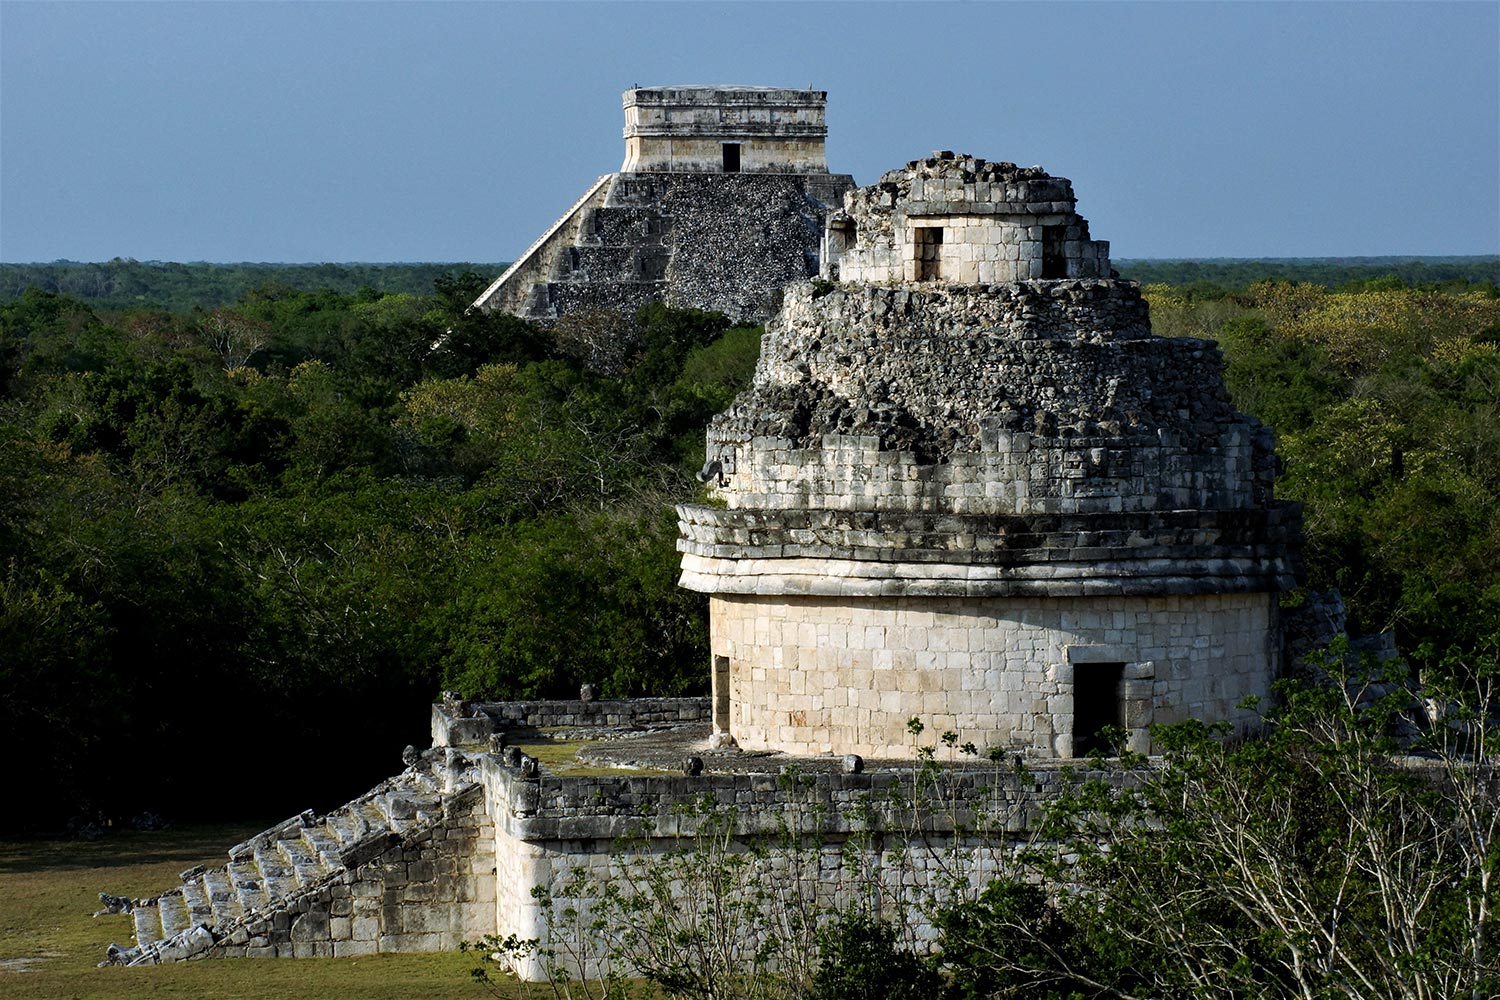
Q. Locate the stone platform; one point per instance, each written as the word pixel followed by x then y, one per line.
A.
pixel 450 849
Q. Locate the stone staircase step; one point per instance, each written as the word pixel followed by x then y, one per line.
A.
pixel 221 894
pixel 245 877
pixel 200 908
pixel 175 916
pixel 147 924
pixel 324 843
pixel 401 810
pixel 372 812
pixel 308 868
pixel 416 800
pixel 275 874
pixel 348 825
pixel 267 871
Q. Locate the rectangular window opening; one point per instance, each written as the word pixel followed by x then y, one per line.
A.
pixel 1054 254
pixel 721 694
pixel 1096 705
pixel 731 157
pixel 928 246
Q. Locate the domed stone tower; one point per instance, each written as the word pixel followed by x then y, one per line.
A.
pixel 970 486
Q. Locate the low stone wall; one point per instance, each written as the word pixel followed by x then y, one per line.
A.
pixel 599 712
pixel 824 839
pixel 466 723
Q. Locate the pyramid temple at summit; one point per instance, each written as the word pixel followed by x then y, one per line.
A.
pixel 719 204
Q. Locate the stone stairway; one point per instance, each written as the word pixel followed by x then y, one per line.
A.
pixel 530 269
pixel 240 903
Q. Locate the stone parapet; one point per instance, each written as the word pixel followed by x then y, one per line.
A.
pixel 466 723
pixel 898 831
pixel 782 798
pixel 605 712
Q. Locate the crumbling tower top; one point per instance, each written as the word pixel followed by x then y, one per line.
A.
pixel 962 220
pixel 725 129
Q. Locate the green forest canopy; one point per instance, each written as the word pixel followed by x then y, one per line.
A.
pixel 289 521
pixel 129 284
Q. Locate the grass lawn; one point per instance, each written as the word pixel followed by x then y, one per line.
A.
pixel 559 756
pixel 50 943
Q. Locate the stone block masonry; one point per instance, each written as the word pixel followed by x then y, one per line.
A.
pixel 407 867
pixel 963 220
pixel 894 832
pixel 967 486
pixel 687 130
pixel 1038 397
pixel 968 483
pixel 452 848
pixel 720 202
pixel 813 675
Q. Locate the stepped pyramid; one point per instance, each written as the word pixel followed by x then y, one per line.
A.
pixel 398 869
pixel 720 202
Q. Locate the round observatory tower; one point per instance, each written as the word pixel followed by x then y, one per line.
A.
pixel 970 486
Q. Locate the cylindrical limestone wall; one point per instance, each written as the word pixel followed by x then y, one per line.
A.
pixel 843 675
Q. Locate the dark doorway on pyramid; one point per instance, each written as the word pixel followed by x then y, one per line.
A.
pixel 1096 705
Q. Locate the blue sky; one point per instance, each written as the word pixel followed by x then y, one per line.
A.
pixel 459 131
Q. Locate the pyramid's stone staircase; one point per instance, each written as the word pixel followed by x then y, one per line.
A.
pixel 401 868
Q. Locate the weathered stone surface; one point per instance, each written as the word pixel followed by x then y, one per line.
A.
pixel 967 466
pixel 311 881
pixel 962 219
pixel 952 496
pixel 682 224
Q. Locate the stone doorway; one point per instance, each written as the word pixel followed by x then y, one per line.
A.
pixel 1054 255
pixel 731 157
pixel 929 252
pixel 1097 705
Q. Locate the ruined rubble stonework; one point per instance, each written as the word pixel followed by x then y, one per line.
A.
pixel 720 203
pixel 1002 506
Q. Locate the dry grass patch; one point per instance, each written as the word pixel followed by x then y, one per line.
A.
pixel 50 943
